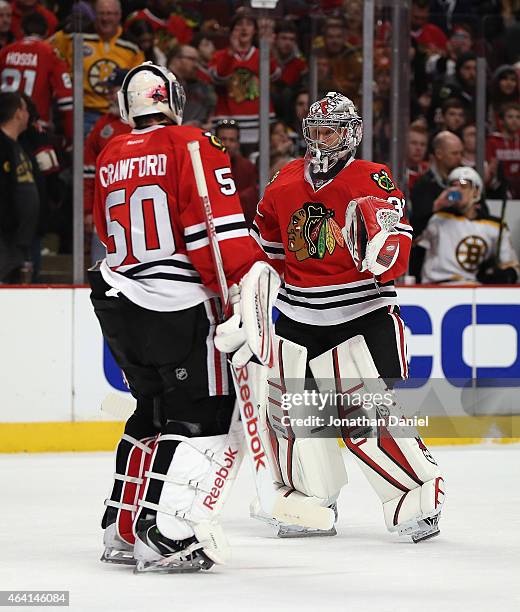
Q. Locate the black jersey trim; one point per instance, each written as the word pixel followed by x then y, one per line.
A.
pixel 184 265
pixel 337 292
pixel 168 276
pixel 338 304
pixel 220 229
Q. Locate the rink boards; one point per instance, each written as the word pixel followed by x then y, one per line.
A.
pixel 56 369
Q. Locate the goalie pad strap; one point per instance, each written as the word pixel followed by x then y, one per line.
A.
pixel 142 445
pixel 120 506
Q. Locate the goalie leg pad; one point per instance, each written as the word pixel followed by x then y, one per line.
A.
pixel 307 463
pixel 401 470
pixel 132 457
pixel 194 487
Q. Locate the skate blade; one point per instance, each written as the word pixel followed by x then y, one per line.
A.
pixel 162 567
pixel 318 533
pixel 426 536
pixel 119 557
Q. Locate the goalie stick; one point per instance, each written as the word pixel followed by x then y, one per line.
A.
pixel 280 502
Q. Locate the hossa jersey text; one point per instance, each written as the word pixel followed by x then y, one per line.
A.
pixel 298 230
pixel 148 214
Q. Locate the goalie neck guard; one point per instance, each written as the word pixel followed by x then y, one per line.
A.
pixel 333 130
pixel 149 89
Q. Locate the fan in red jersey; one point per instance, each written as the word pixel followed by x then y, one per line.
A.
pixel 339 316
pixel 155 295
pixel 106 127
pixel 32 66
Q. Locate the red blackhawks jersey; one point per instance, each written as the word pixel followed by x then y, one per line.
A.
pixel 33 67
pixel 298 230
pixel 148 214
pixel 239 91
pixel 106 127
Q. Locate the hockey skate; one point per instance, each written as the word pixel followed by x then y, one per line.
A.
pixel 116 549
pixel 297 531
pixel 156 553
pixel 421 529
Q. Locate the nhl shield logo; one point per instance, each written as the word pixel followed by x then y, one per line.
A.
pixel 181 373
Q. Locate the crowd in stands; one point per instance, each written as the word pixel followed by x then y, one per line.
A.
pixel 212 48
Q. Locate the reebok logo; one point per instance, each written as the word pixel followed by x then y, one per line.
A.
pixel 253 437
pixel 220 478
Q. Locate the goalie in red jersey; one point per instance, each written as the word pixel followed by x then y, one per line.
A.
pixel 155 295
pixel 339 320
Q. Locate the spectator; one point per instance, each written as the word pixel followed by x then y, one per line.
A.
pixel 141 33
pixel 244 171
pixel 235 70
pixel 22 8
pixel 461 85
pixel 20 204
pixel 170 29
pixel 453 115
pixel 416 165
pixel 204 44
pixel 45 78
pixel 46 170
pixel 504 88
pixel 292 65
pixel 469 153
pixel 460 243
pixel 104 51
pixel 504 147
pixel 106 127
pixel 6 16
pixel 441 65
pixel 446 13
pixel 281 145
pixel 183 61
pixel 300 108
pixel 430 191
pixel 345 62
pixel 429 38
pixel 353 11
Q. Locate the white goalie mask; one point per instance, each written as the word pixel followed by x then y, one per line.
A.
pixel 331 129
pixel 149 89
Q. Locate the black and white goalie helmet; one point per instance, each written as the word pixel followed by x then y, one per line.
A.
pixel 331 129
pixel 149 89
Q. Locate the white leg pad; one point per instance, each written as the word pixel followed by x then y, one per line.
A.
pixel 421 502
pixel 196 486
pixel 309 464
pixel 401 470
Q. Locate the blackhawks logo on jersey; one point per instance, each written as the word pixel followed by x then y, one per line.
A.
pixel 383 180
pixel 312 232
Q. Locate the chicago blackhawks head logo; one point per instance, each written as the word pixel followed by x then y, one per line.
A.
pixel 312 232
pixel 383 180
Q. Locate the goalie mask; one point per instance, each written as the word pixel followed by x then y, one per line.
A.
pixel 332 129
pixel 149 89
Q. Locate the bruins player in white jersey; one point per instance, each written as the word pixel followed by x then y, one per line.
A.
pixel 459 241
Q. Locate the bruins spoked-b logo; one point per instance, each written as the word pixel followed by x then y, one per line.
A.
pixel 383 181
pixel 471 252
pixel 312 232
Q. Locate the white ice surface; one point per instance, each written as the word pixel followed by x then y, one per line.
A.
pixel 50 538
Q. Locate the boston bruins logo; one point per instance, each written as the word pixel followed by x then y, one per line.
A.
pixel 470 252
pixel 99 73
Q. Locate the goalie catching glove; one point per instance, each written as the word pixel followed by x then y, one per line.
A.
pixel 249 331
pixel 370 234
